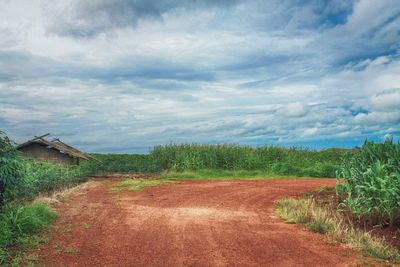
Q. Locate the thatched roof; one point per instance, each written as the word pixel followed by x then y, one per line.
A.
pixel 58 145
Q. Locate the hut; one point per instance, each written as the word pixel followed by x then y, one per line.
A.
pixel 43 150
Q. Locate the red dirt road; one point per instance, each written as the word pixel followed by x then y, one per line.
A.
pixel 201 223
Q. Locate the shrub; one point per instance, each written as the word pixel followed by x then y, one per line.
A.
pixel 369 181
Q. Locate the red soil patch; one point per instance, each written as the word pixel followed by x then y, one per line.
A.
pixel 199 223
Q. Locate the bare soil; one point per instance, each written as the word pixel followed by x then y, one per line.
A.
pixel 191 223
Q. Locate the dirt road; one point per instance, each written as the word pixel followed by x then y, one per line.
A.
pixel 202 223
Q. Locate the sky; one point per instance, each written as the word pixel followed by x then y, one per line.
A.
pixel 120 76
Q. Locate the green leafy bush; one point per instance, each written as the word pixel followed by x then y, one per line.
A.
pixel 369 181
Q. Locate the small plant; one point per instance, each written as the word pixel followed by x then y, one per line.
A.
pixel 71 251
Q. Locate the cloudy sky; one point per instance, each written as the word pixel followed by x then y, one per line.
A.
pixel 122 76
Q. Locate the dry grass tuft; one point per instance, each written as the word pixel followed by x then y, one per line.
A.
pixel 307 213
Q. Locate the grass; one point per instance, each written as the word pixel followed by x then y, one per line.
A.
pixel 138 184
pixel 20 226
pixel 215 174
pixel 71 251
pixel 263 160
pixel 317 219
pixel 271 159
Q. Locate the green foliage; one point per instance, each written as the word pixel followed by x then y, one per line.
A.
pixel 19 221
pixel 269 159
pixel 24 179
pixel 45 177
pixel 122 163
pixel 369 181
pixel 10 166
pixel 19 225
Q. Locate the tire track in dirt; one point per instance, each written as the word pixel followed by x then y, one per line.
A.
pixel 194 223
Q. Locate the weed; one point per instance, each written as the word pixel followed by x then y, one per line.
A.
pixel 30 242
pixel 71 251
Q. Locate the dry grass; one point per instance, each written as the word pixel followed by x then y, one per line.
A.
pixel 318 219
pixel 138 184
pixel 60 195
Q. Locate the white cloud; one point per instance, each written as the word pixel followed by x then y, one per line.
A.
pixel 388 100
pixel 294 110
pixel 258 72
pixel 309 132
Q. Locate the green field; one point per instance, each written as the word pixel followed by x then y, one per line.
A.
pixel 196 160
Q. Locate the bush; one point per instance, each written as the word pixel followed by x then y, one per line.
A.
pixel 369 181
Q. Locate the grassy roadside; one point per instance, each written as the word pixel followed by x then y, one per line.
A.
pixel 306 212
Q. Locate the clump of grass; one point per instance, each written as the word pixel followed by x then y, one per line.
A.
pixel 19 226
pixel 307 213
pixel 71 251
pixel 138 184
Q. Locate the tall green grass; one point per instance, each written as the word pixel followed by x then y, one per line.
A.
pixel 369 181
pixel 269 159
